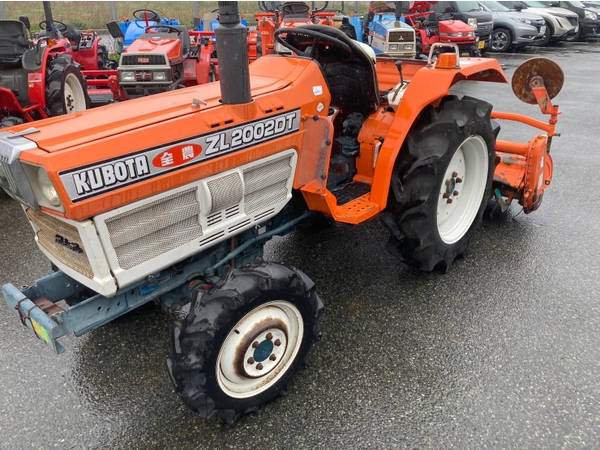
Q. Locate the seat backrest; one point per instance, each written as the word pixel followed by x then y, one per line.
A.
pixel 13 40
pixel 185 41
pixel 352 84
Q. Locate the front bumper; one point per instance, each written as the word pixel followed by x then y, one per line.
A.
pixel 590 29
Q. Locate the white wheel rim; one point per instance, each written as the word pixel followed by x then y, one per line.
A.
pixel 74 96
pixel 260 349
pixel 463 184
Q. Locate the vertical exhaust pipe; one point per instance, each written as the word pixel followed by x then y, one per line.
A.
pixel 232 50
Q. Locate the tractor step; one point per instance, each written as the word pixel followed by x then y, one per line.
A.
pixel 351 192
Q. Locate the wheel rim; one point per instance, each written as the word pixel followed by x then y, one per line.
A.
pixel 499 41
pixel 462 189
pixel 74 96
pixel 260 349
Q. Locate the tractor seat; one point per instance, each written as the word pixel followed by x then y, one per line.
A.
pixel 13 43
pixel 352 83
pixel 185 41
pixel 70 33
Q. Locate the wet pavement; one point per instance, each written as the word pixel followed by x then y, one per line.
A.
pixel 500 352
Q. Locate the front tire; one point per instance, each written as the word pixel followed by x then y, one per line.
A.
pixel 66 90
pixel 244 340
pixel 547 35
pixel 441 183
pixel 501 40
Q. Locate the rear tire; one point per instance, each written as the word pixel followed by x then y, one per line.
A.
pixel 244 340
pixel 66 90
pixel 501 40
pixel 448 155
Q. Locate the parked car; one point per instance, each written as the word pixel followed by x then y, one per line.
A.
pixel 473 15
pixel 513 29
pixel 561 23
pixel 589 24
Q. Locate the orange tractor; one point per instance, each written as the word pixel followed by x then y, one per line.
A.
pixel 275 15
pixel 171 198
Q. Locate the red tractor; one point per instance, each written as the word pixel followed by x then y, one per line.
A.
pixel 164 58
pixel 431 28
pixel 40 78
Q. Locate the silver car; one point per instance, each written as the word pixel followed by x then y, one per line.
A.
pixel 513 29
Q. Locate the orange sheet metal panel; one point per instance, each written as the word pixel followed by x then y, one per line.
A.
pixel 90 142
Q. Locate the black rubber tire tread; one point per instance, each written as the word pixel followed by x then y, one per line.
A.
pixel 508 43
pixel 411 213
pixel 56 73
pixel 576 37
pixel 547 35
pixel 198 340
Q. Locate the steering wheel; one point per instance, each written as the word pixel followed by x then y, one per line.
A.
pixel 169 28
pixel 61 26
pixel 305 42
pixel 294 8
pixel 152 16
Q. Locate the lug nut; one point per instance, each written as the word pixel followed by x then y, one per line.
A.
pixel 255 344
pixel 446 195
pixel 259 366
pixel 455 193
pixel 251 360
pixel 459 180
pixel 448 182
pixel 277 342
pixel 273 357
pixel 454 174
pixel 269 336
pixel 449 200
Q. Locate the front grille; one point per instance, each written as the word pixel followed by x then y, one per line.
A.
pixel 6 179
pixel 485 27
pixel 144 60
pixel 266 184
pixel 156 228
pixel 573 20
pixel 225 191
pixel 62 241
pixel 401 36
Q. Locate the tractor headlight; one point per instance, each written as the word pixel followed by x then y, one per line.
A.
pixel 47 187
pixel 472 22
pixel 590 15
pixel 393 47
pixel 159 76
pixel 408 46
pixel 126 76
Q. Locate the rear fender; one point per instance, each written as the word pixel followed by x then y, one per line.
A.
pixel 427 86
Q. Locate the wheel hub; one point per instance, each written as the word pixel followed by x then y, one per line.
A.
pixel 462 189
pixel 259 349
pixel 265 351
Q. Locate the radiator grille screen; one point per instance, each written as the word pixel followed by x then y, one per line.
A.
pixel 266 184
pixel 225 192
pixel 156 228
pixel 62 241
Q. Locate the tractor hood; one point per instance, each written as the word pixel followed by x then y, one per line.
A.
pixel 70 131
pixel 170 46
